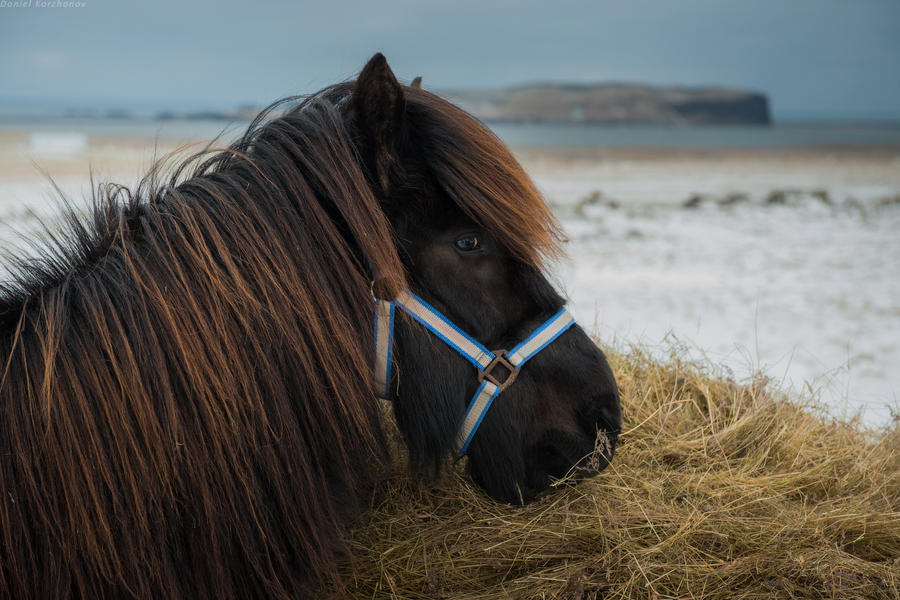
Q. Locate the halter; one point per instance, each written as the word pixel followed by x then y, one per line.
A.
pixel 487 362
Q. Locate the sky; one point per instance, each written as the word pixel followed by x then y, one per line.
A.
pixel 814 58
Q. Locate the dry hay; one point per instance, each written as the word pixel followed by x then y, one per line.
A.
pixel 718 490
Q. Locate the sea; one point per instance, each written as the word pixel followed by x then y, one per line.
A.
pixel 789 134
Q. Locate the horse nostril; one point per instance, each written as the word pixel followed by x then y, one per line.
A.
pixel 545 464
pixel 601 414
pixel 552 460
pixel 556 455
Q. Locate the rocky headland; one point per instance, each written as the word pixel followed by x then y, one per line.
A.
pixel 615 103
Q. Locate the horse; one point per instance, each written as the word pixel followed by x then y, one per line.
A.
pixel 187 405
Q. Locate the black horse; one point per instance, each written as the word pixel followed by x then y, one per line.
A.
pixel 186 398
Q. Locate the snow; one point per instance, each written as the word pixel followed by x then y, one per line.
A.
pixel 806 292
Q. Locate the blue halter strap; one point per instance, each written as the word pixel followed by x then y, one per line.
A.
pixel 486 361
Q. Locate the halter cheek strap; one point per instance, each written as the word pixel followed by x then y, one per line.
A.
pixel 486 361
pixel 384 345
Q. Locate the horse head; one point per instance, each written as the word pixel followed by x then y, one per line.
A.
pixel 472 233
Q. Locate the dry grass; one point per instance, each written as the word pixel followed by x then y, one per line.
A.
pixel 718 490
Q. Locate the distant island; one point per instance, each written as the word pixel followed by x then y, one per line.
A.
pixel 615 103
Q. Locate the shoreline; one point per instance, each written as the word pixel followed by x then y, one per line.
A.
pixel 132 155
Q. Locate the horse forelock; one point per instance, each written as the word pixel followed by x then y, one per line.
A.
pixel 480 174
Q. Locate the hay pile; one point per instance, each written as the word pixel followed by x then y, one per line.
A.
pixel 718 490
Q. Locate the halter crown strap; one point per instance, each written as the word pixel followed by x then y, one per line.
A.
pixel 483 359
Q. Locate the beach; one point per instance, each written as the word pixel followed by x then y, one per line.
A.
pixel 782 263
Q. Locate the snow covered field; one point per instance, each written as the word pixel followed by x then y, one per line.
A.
pixel 782 261
pixel 789 265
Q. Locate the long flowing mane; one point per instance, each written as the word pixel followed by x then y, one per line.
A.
pixel 185 402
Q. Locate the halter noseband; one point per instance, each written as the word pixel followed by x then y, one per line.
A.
pixel 486 361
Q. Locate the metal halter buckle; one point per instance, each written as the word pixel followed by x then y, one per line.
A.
pixel 499 359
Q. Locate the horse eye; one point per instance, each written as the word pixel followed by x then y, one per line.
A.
pixel 467 243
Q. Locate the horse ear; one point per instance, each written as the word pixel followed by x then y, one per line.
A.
pixel 416 83
pixel 379 106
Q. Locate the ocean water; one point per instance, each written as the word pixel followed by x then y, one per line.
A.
pixel 173 130
pixel 780 135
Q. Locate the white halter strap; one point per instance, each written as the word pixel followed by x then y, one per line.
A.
pixel 481 358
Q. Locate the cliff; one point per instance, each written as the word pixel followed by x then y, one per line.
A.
pixel 615 103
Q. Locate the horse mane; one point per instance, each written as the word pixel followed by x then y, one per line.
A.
pixel 185 402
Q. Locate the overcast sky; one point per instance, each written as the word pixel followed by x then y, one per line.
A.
pixel 836 58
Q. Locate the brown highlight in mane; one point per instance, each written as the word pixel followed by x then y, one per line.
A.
pixel 185 406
